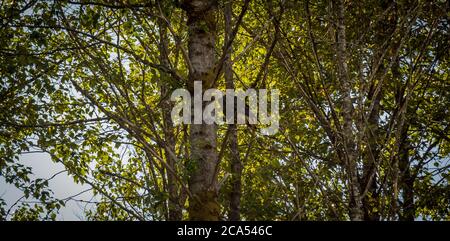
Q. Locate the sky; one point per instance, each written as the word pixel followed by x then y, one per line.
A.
pixel 62 185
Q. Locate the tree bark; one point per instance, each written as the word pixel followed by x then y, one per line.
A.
pixel 203 204
pixel 236 166
pixel 407 179
pixel 355 205
pixel 408 209
pixel 371 154
pixel 174 208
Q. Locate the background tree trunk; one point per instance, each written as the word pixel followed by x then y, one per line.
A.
pixel 407 179
pixel 356 212
pixel 175 211
pixel 203 204
pixel 236 166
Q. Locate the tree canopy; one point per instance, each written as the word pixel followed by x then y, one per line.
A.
pixel 364 108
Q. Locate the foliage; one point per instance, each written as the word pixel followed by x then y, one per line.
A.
pixel 89 84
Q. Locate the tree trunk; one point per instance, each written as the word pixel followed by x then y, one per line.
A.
pixel 236 166
pixel 408 209
pixel 355 205
pixel 370 201
pixel 407 180
pixel 203 204
pixel 175 212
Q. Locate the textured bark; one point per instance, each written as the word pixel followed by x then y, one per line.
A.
pixel 356 209
pixel 236 166
pixel 174 208
pixel 203 204
pixel 407 179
